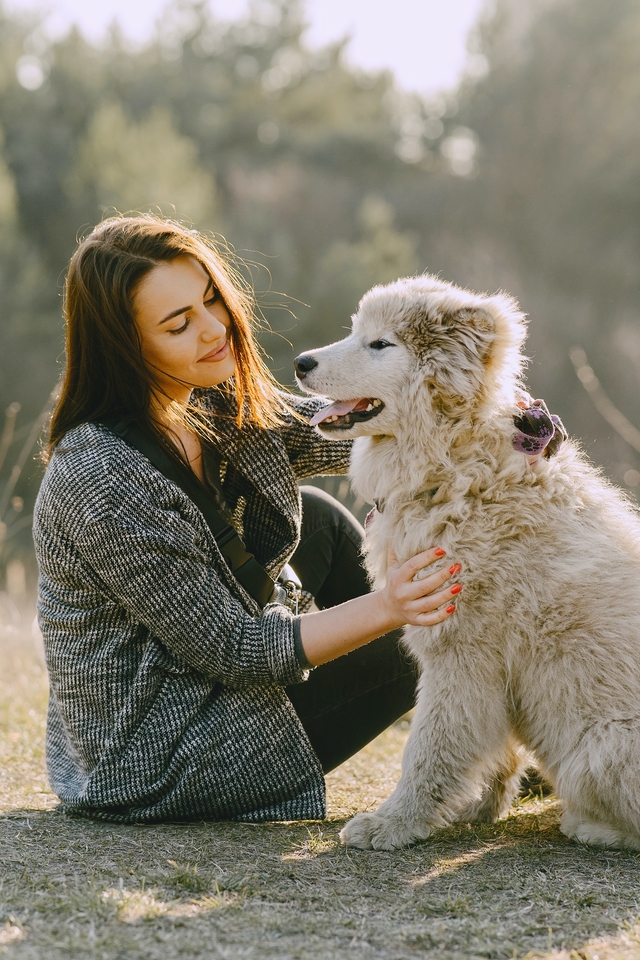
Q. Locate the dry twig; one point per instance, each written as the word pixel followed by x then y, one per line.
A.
pixel 601 401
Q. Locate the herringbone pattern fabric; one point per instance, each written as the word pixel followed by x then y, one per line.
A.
pixel 167 698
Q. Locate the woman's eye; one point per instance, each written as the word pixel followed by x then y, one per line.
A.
pixel 212 299
pixel 182 328
pixel 380 344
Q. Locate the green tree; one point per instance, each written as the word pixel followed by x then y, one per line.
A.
pixel 134 166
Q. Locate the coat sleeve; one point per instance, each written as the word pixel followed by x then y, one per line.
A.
pixel 144 542
pixel 311 454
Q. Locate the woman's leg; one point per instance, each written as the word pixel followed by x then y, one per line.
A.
pixel 328 556
pixel 345 703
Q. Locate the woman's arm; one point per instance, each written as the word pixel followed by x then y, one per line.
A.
pixel 330 633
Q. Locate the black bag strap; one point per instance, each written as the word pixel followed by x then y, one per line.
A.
pixel 244 566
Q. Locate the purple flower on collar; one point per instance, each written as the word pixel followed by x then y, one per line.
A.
pixel 537 431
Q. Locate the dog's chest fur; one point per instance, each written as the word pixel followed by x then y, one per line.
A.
pixel 414 512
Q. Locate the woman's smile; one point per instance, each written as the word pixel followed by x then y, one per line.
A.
pixel 217 354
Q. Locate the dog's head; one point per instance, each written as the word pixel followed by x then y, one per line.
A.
pixel 418 347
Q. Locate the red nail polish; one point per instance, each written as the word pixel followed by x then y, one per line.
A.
pixel 450 609
pixel 456 589
pixel 440 552
pixel 455 568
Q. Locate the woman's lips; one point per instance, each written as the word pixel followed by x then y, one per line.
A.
pixel 219 353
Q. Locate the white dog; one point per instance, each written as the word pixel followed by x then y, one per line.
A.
pixel 543 651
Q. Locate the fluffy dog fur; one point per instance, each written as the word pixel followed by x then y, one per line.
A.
pixel 543 652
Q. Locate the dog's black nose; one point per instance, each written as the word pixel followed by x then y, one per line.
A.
pixel 304 365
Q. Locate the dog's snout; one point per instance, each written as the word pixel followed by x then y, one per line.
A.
pixel 304 364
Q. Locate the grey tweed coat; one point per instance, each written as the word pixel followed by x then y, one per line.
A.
pixel 167 699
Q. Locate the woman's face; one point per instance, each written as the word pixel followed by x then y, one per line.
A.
pixel 184 328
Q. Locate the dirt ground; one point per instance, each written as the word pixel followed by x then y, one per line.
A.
pixel 72 889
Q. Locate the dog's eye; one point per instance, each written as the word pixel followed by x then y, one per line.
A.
pixel 380 344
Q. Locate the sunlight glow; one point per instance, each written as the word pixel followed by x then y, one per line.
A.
pixel 423 44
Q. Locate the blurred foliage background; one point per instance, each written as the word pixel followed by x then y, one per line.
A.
pixel 327 179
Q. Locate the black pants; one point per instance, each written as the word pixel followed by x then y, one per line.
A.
pixel 345 703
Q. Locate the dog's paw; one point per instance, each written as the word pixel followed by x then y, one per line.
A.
pixel 369 831
pixel 584 830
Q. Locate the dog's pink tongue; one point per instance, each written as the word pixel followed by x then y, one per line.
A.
pixel 337 409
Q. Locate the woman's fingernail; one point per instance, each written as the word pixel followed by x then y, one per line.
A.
pixel 455 568
pixel 440 552
pixel 450 609
pixel 456 588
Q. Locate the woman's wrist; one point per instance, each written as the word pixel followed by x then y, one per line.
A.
pixel 384 614
pixel 298 646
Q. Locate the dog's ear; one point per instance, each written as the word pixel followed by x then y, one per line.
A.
pixel 458 349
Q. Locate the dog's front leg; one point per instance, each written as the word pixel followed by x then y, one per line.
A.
pixel 460 722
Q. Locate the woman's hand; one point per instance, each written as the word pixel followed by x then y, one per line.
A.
pixel 327 634
pixel 421 602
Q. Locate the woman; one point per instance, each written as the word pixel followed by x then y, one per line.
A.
pixel 173 694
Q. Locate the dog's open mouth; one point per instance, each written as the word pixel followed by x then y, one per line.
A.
pixel 344 413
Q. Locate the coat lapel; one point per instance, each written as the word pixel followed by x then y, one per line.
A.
pixel 259 454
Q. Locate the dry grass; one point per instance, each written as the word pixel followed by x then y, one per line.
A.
pixel 82 890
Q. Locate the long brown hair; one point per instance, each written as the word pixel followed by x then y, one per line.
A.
pixel 106 374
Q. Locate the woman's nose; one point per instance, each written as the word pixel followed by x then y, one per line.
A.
pixel 213 328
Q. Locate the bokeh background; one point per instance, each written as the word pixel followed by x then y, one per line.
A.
pixel 521 171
